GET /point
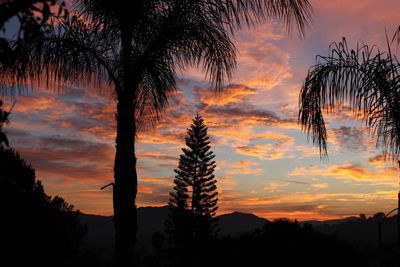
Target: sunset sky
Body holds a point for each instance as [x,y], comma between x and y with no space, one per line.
[265,165]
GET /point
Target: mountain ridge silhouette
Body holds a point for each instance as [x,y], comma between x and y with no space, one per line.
[100,234]
[150,219]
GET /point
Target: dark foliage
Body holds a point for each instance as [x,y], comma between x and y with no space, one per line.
[31,14]
[3,120]
[363,234]
[286,243]
[35,229]
[280,243]
[32,17]
[193,202]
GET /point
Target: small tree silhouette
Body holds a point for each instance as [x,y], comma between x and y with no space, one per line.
[194,201]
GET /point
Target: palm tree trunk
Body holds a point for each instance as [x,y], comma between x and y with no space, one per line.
[125,177]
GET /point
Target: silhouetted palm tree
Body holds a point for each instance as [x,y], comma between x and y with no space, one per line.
[365,79]
[137,46]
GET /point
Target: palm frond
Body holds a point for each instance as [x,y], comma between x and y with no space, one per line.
[75,52]
[177,39]
[155,90]
[367,80]
[232,14]
[204,44]
[236,13]
[396,36]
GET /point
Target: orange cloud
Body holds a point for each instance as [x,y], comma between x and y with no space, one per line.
[245,171]
[349,171]
[262,63]
[274,150]
[155,180]
[234,93]
[242,167]
[157,156]
[320,186]
[225,185]
[272,187]
[378,159]
[154,191]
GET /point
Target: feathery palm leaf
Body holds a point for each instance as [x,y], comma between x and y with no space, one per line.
[365,78]
[74,52]
[396,36]
[228,13]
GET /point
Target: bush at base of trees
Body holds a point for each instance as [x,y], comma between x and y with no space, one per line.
[286,243]
[35,229]
[279,243]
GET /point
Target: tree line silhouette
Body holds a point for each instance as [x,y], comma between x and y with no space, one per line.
[35,229]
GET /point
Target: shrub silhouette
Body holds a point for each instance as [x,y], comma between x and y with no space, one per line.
[35,229]
[279,243]
[284,243]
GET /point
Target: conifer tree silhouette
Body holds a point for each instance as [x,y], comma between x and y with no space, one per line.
[194,201]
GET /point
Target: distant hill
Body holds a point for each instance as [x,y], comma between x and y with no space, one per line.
[150,219]
[100,235]
[329,222]
[358,231]
[236,223]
